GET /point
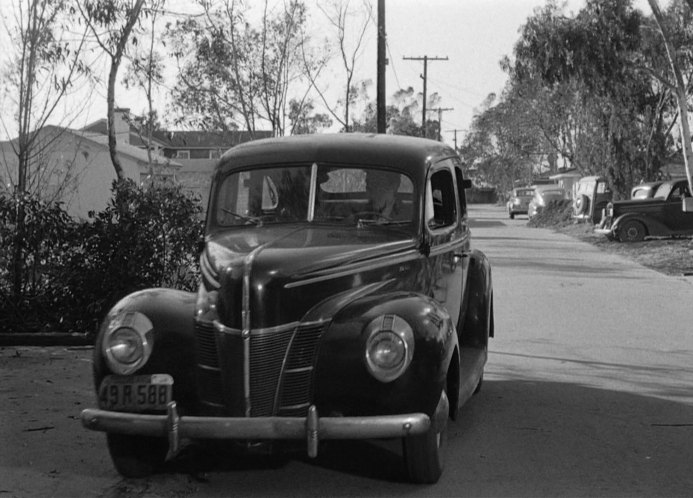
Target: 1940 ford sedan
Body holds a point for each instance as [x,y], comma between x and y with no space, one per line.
[340,299]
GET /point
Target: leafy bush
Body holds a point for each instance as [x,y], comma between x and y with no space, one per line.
[146,237]
[72,273]
[554,214]
[29,291]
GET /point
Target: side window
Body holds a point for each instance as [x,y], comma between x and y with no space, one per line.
[462,201]
[441,209]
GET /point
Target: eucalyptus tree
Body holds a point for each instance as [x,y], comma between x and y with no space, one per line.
[676,37]
[602,56]
[111,23]
[146,72]
[235,69]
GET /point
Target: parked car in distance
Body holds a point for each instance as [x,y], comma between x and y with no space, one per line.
[590,196]
[519,201]
[340,298]
[644,190]
[661,215]
[543,195]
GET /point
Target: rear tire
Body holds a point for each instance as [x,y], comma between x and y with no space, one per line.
[424,454]
[631,231]
[136,456]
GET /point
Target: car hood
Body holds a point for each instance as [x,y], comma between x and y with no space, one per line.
[282,272]
[304,249]
[635,204]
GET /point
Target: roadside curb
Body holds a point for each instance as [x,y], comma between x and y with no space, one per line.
[45,339]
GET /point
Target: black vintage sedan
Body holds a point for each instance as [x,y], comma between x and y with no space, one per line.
[340,298]
[661,215]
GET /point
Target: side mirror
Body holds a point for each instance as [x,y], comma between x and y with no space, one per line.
[466,183]
[687,204]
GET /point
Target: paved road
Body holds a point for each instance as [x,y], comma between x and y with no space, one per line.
[587,393]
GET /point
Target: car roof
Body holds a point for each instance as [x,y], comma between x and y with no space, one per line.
[542,188]
[410,154]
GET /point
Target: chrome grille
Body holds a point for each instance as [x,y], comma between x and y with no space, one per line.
[206,344]
[208,373]
[267,352]
[296,388]
[280,367]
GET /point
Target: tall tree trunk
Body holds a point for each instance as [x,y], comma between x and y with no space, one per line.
[680,88]
[116,58]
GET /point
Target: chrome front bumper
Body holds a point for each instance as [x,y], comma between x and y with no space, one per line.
[311,427]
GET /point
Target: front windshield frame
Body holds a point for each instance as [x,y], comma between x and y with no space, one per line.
[255,195]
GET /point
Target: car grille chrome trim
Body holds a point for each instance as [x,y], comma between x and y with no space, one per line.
[280,366]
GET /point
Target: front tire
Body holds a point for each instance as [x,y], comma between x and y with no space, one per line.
[631,231]
[136,456]
[424,454]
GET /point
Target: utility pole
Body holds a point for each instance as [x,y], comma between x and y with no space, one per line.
[455,139]
[382,62]
[440,118]
[425,60]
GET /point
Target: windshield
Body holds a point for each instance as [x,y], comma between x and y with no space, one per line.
[525,193]
[350,196]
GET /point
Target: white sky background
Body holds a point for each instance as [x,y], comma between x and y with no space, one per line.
[473,34]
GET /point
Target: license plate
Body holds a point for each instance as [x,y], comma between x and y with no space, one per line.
[135,392]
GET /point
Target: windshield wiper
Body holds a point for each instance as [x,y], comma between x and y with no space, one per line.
[248,219]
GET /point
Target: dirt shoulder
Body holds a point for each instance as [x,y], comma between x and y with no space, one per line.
[671,256]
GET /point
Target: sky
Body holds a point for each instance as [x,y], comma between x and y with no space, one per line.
[474,35]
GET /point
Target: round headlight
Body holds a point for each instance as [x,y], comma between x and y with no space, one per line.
[389,347]
[127,343]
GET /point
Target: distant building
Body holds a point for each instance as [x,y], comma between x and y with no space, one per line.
[75,167]
[196,152]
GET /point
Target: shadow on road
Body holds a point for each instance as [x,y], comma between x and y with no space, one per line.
[517,438]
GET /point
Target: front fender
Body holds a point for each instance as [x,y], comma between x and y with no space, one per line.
[171,313]
[652,226]
[345,386]
[478,316]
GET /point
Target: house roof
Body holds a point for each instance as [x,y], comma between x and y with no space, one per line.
[207,139]
[127,149]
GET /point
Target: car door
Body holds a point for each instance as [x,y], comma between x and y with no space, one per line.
[446,223]
[673,215]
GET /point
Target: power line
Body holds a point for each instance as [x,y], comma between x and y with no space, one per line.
[425,60]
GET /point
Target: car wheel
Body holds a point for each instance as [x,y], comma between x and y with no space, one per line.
[424,454]
[631,231]
[135,456]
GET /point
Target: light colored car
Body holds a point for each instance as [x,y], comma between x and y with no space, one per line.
[519,201]
[590,196]
[543,195]
[644,190]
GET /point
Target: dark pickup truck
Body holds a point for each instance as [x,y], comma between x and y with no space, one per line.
[660,216]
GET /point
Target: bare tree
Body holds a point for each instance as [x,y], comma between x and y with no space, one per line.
[117,18]
[350,45]
[44,64]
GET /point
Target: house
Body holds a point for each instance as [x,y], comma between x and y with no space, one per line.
[74,167]
[567,180]
[196,152]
